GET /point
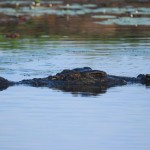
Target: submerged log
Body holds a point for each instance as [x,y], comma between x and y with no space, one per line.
[80,80]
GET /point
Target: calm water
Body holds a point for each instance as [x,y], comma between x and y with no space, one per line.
[49,119]
[39,118]
[42,118]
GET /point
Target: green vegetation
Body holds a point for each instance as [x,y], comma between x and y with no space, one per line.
[37,1]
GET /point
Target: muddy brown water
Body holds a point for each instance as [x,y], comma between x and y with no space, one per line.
[53,39]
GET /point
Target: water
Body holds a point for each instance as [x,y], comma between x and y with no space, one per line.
[42,118]
[35,59]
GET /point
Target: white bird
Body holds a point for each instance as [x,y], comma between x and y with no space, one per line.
[67,5]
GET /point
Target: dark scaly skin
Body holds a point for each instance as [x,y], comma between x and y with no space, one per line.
[79,80]
[4,83]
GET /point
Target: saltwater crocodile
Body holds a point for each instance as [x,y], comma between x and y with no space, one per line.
[79,80]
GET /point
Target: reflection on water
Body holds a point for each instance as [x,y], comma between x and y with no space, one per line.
[42,118]
[128,21]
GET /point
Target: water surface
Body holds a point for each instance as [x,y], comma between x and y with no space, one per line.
[43,118]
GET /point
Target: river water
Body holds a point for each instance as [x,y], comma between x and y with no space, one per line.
[42,118]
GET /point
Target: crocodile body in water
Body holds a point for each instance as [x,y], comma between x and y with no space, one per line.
[79,80]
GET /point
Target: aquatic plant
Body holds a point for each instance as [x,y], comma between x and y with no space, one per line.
[37,1]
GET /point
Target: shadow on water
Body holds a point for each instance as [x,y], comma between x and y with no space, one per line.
[76,91]
[85,91]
